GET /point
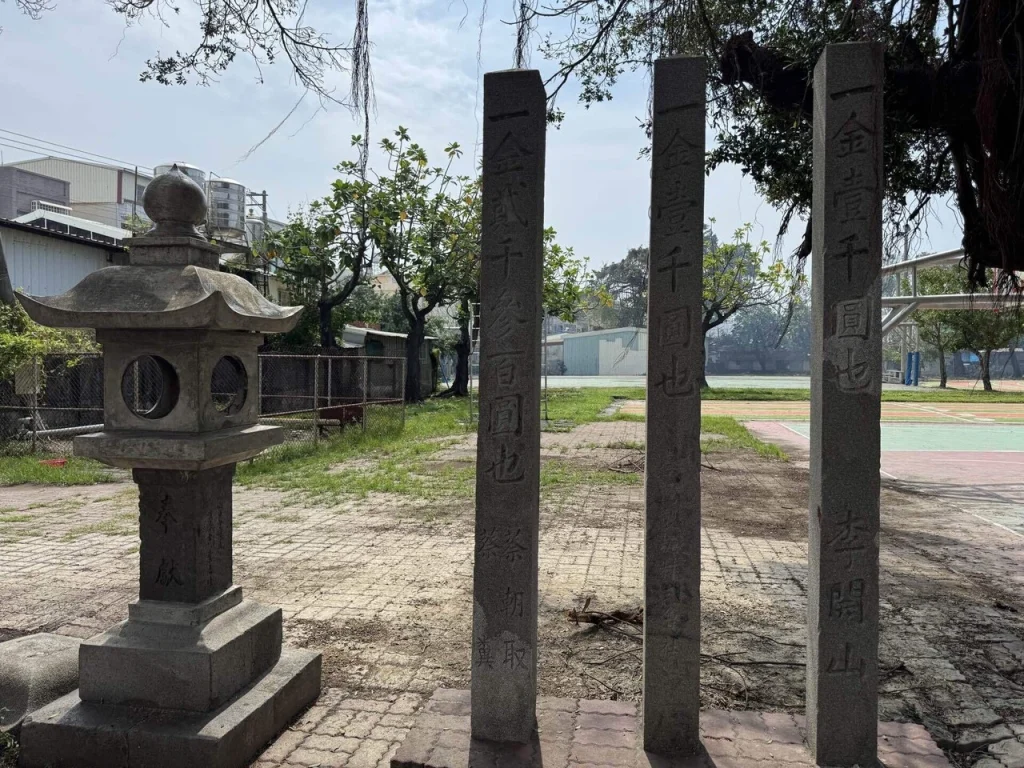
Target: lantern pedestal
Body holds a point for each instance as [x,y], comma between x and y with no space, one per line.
[70,732]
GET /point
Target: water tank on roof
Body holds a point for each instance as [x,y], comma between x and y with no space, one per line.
[227,209]
[194,172]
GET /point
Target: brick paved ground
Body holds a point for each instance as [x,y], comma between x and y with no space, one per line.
[382,585]
[584,733]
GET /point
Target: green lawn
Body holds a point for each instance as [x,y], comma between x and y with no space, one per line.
[15,470]
[402,462]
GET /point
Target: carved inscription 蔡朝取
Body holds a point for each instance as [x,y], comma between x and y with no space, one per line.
[513,605]
[516,655]
[501,543]
[484,653]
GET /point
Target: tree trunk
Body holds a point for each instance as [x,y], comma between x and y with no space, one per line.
[460,386]
[326,332]
[413,342]
[986,378]
[942,368]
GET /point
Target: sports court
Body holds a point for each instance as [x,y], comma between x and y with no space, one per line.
[953,454]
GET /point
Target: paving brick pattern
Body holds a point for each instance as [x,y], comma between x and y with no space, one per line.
[578,733]
[382,586]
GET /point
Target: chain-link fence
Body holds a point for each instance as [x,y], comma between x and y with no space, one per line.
[313,397]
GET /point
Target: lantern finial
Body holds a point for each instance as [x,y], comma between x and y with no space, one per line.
[176,204]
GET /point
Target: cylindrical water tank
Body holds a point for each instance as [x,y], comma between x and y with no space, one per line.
[197,174]
[227,208]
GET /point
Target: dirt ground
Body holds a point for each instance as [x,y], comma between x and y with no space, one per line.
[382,585]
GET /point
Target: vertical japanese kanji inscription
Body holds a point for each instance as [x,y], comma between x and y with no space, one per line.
[672,564]
[504,666]
[846,364]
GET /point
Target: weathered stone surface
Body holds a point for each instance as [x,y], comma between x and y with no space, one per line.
[674,360]
[846,363]
[185,532]
[71,734]
[504,643]
[35,670]
[181,452]
[184,614]
[156,298]
[181,667]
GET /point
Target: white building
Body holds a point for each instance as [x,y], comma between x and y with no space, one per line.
[44,262]
[108,194]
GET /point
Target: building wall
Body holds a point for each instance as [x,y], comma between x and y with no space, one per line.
[19,187]
[89,183]
[582,351]
[43,265]
[111,214]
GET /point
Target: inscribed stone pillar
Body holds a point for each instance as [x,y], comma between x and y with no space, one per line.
[846,365]
[185,533]
[674,360]
[504,659]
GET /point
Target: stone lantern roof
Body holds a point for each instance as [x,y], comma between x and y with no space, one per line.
[172,281]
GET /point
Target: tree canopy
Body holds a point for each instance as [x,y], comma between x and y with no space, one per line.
[953,93]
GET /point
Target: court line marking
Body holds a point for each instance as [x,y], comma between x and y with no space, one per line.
[893,477]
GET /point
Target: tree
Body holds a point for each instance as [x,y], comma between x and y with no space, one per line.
[934,326]
[735,278]
[563,293]
[953,91]
[626,281]
[763,328]
[325,249]
[421,220]
[262,30]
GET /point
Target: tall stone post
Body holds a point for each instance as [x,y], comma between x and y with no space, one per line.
[504,656]
[672,539]
[846,366]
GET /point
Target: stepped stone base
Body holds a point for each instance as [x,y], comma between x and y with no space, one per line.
[71,734]
[607,733]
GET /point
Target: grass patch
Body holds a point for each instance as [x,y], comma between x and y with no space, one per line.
[626,445]
[121,524]
[16,470]
[735,435]
[582,406]
[556,474]
[888,395]
[15,518]
[388,463]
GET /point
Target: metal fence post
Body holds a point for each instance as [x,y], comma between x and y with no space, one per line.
[259,387]
[366,381]
[316,399]
[35,400]
[330,389]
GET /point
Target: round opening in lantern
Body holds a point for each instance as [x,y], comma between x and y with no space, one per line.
[149,387]
[229,385]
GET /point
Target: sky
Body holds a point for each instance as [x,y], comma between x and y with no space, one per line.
[71,77]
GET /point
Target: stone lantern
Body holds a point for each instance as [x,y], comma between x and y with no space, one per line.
[196,676]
